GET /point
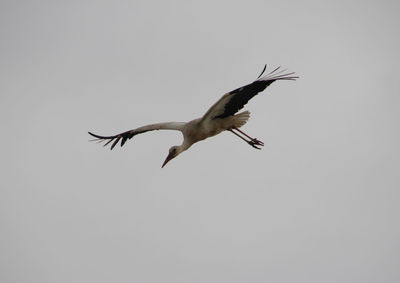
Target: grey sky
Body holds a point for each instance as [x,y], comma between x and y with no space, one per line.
[319,203]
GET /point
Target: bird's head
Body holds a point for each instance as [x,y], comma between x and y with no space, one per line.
[173,152]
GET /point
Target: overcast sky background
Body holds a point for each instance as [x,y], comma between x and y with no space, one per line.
[319,203]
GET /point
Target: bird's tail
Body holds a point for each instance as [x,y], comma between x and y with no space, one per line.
[241,118]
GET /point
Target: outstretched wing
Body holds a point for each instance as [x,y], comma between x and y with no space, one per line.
[233,101]
[123,137]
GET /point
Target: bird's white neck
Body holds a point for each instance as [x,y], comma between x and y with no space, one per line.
[185,145]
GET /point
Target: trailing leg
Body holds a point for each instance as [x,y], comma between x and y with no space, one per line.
[251,141]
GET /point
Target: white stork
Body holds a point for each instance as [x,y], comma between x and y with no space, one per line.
[220,117]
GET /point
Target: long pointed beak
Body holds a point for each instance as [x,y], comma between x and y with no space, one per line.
[169,157]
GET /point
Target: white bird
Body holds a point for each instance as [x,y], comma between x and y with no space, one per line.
[220,117]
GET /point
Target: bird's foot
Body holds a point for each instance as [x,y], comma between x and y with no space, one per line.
[255,143]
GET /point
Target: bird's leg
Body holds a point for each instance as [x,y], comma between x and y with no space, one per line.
[231,130]
[253,142]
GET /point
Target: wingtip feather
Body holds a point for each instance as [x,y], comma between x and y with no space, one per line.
[262,72]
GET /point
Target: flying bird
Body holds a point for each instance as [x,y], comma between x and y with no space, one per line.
[220,117]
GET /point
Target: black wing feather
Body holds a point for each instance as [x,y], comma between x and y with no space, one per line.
[240,96]
[115,139]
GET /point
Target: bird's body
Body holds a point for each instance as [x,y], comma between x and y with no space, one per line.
[220,117]
[200,129]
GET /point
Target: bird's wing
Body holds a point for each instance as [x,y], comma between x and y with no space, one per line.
[130,134]
[233,101]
